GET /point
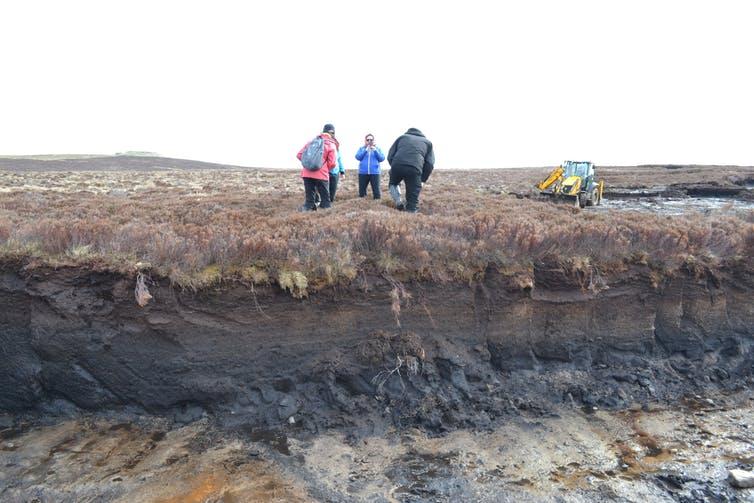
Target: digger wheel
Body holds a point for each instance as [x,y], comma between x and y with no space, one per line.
[582,200]
[592,199]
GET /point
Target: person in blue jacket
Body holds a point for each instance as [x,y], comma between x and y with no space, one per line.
[336,172]
[369,156]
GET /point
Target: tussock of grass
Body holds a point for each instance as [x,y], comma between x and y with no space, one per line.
[203,228]
[295,282]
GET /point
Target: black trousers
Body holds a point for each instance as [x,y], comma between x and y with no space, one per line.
[312,186]
[365,180]
[413,179]
[333,185]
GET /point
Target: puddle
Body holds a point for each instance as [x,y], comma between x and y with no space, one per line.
[676,205]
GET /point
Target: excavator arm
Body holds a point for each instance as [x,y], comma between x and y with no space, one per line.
[556,174]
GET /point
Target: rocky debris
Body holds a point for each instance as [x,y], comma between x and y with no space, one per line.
[287,407]
[742,479]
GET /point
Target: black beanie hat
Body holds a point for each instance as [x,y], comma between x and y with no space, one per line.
[329,128]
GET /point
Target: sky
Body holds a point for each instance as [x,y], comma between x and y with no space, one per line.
[492,84]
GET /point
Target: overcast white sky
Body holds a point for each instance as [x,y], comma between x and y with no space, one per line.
[492,84]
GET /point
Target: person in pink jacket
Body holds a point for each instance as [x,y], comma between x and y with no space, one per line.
[319,181]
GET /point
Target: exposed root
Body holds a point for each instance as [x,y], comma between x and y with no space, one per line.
[429,315]
[141,291]
[395,307]
[411,364]
[256,303]
[382,377]
[397,294]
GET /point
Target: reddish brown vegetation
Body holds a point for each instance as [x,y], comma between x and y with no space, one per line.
[200,228]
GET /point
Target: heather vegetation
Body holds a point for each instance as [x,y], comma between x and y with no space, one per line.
[206,228]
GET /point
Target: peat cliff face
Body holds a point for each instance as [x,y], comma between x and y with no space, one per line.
[463,354]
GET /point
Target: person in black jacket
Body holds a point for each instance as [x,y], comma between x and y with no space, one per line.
[412,160]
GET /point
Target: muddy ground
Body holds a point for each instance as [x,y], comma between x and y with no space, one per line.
[654,453]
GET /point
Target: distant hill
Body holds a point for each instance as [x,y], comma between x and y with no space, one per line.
[105,163]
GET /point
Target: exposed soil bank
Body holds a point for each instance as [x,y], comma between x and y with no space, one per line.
[464,355]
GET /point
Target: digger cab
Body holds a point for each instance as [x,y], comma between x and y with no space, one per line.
[582,169]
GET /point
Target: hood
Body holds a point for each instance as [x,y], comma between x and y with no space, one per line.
[331,138]
[414,131]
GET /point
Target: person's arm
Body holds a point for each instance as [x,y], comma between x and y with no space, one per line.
[301,152]
[429,163]
[360,153]
[391,152]
[341,168]
[378,153]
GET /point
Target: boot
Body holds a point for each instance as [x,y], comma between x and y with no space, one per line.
[395,193]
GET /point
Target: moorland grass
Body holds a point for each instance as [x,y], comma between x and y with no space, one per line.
[202,228]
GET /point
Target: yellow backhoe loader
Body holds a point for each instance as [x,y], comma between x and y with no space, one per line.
[573,181]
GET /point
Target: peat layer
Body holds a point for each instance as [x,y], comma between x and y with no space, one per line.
[438,356]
